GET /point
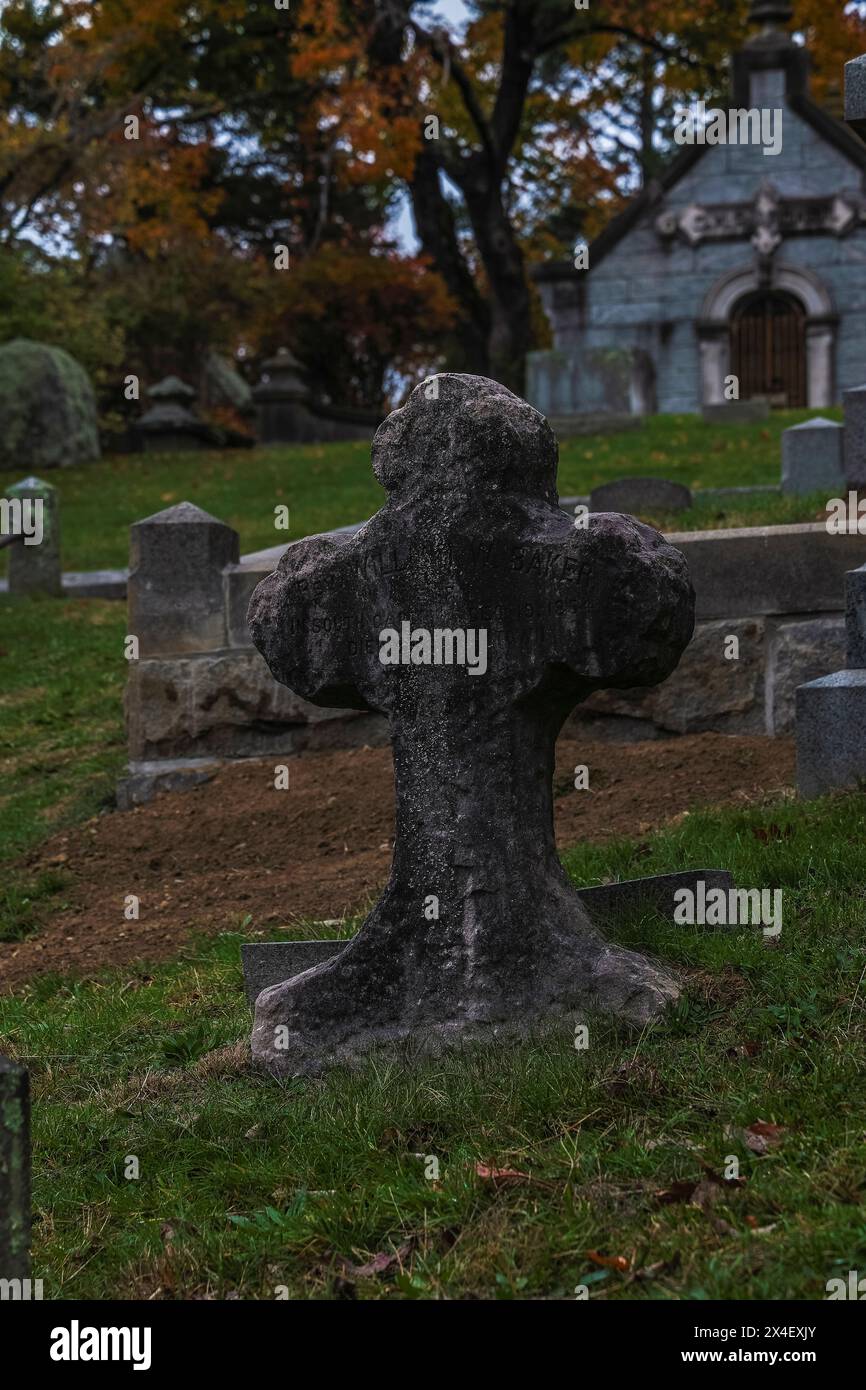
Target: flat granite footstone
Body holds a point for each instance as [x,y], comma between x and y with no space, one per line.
[640,495]
[475,615]
[267,963]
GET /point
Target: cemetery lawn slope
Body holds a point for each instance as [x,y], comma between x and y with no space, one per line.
[517,1171]
[332,485]
[61,720]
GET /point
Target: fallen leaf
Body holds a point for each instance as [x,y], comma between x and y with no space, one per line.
[761,1136]
[501,1174]
[608,1261]
[680,1191]
[700,1192]
[381,1263]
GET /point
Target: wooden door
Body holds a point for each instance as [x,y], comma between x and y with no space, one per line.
[768,348]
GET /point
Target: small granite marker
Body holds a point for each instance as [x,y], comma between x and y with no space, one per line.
[14,1171]
[854,403]
[831,711]
[475,615]
[640,495]
[176,600]
[812,457]
[34,564]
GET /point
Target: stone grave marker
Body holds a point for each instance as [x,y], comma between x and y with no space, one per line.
[831,711]
[474,614]
[813,457]
[14,1171]
[176,599]
[34,563]
[640,495]
[854,403]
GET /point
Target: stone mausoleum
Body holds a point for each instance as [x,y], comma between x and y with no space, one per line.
[737,263]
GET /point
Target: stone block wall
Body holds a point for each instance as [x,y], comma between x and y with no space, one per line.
[200,691]
[752,694]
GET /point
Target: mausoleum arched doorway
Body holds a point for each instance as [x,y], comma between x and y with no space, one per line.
[784,332]
[768,347]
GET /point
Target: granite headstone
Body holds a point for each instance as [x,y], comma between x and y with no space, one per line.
[831,711]
[854,403]
[34,558]
[812,457]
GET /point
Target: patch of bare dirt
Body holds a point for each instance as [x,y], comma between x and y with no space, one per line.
[206,859]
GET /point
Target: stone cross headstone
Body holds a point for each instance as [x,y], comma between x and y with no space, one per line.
[34,557]
[812,457]
[14,1171]
[474,614]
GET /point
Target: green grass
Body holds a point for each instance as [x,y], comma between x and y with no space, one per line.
[62,741]
[332,485]
[248,1186]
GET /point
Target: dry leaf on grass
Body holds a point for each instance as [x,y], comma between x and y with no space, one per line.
[608,1261]
[761,1136]
[700,1192]
[501,1175]
[383,1262]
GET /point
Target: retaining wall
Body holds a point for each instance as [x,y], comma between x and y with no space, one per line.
[201,691]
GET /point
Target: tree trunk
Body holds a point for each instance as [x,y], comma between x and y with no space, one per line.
[510,313]
[434,223]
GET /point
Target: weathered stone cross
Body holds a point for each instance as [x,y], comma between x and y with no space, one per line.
[474,614]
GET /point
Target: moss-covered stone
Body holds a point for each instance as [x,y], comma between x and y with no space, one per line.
[47,408]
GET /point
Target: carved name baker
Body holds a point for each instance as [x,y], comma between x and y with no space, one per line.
[478,929]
